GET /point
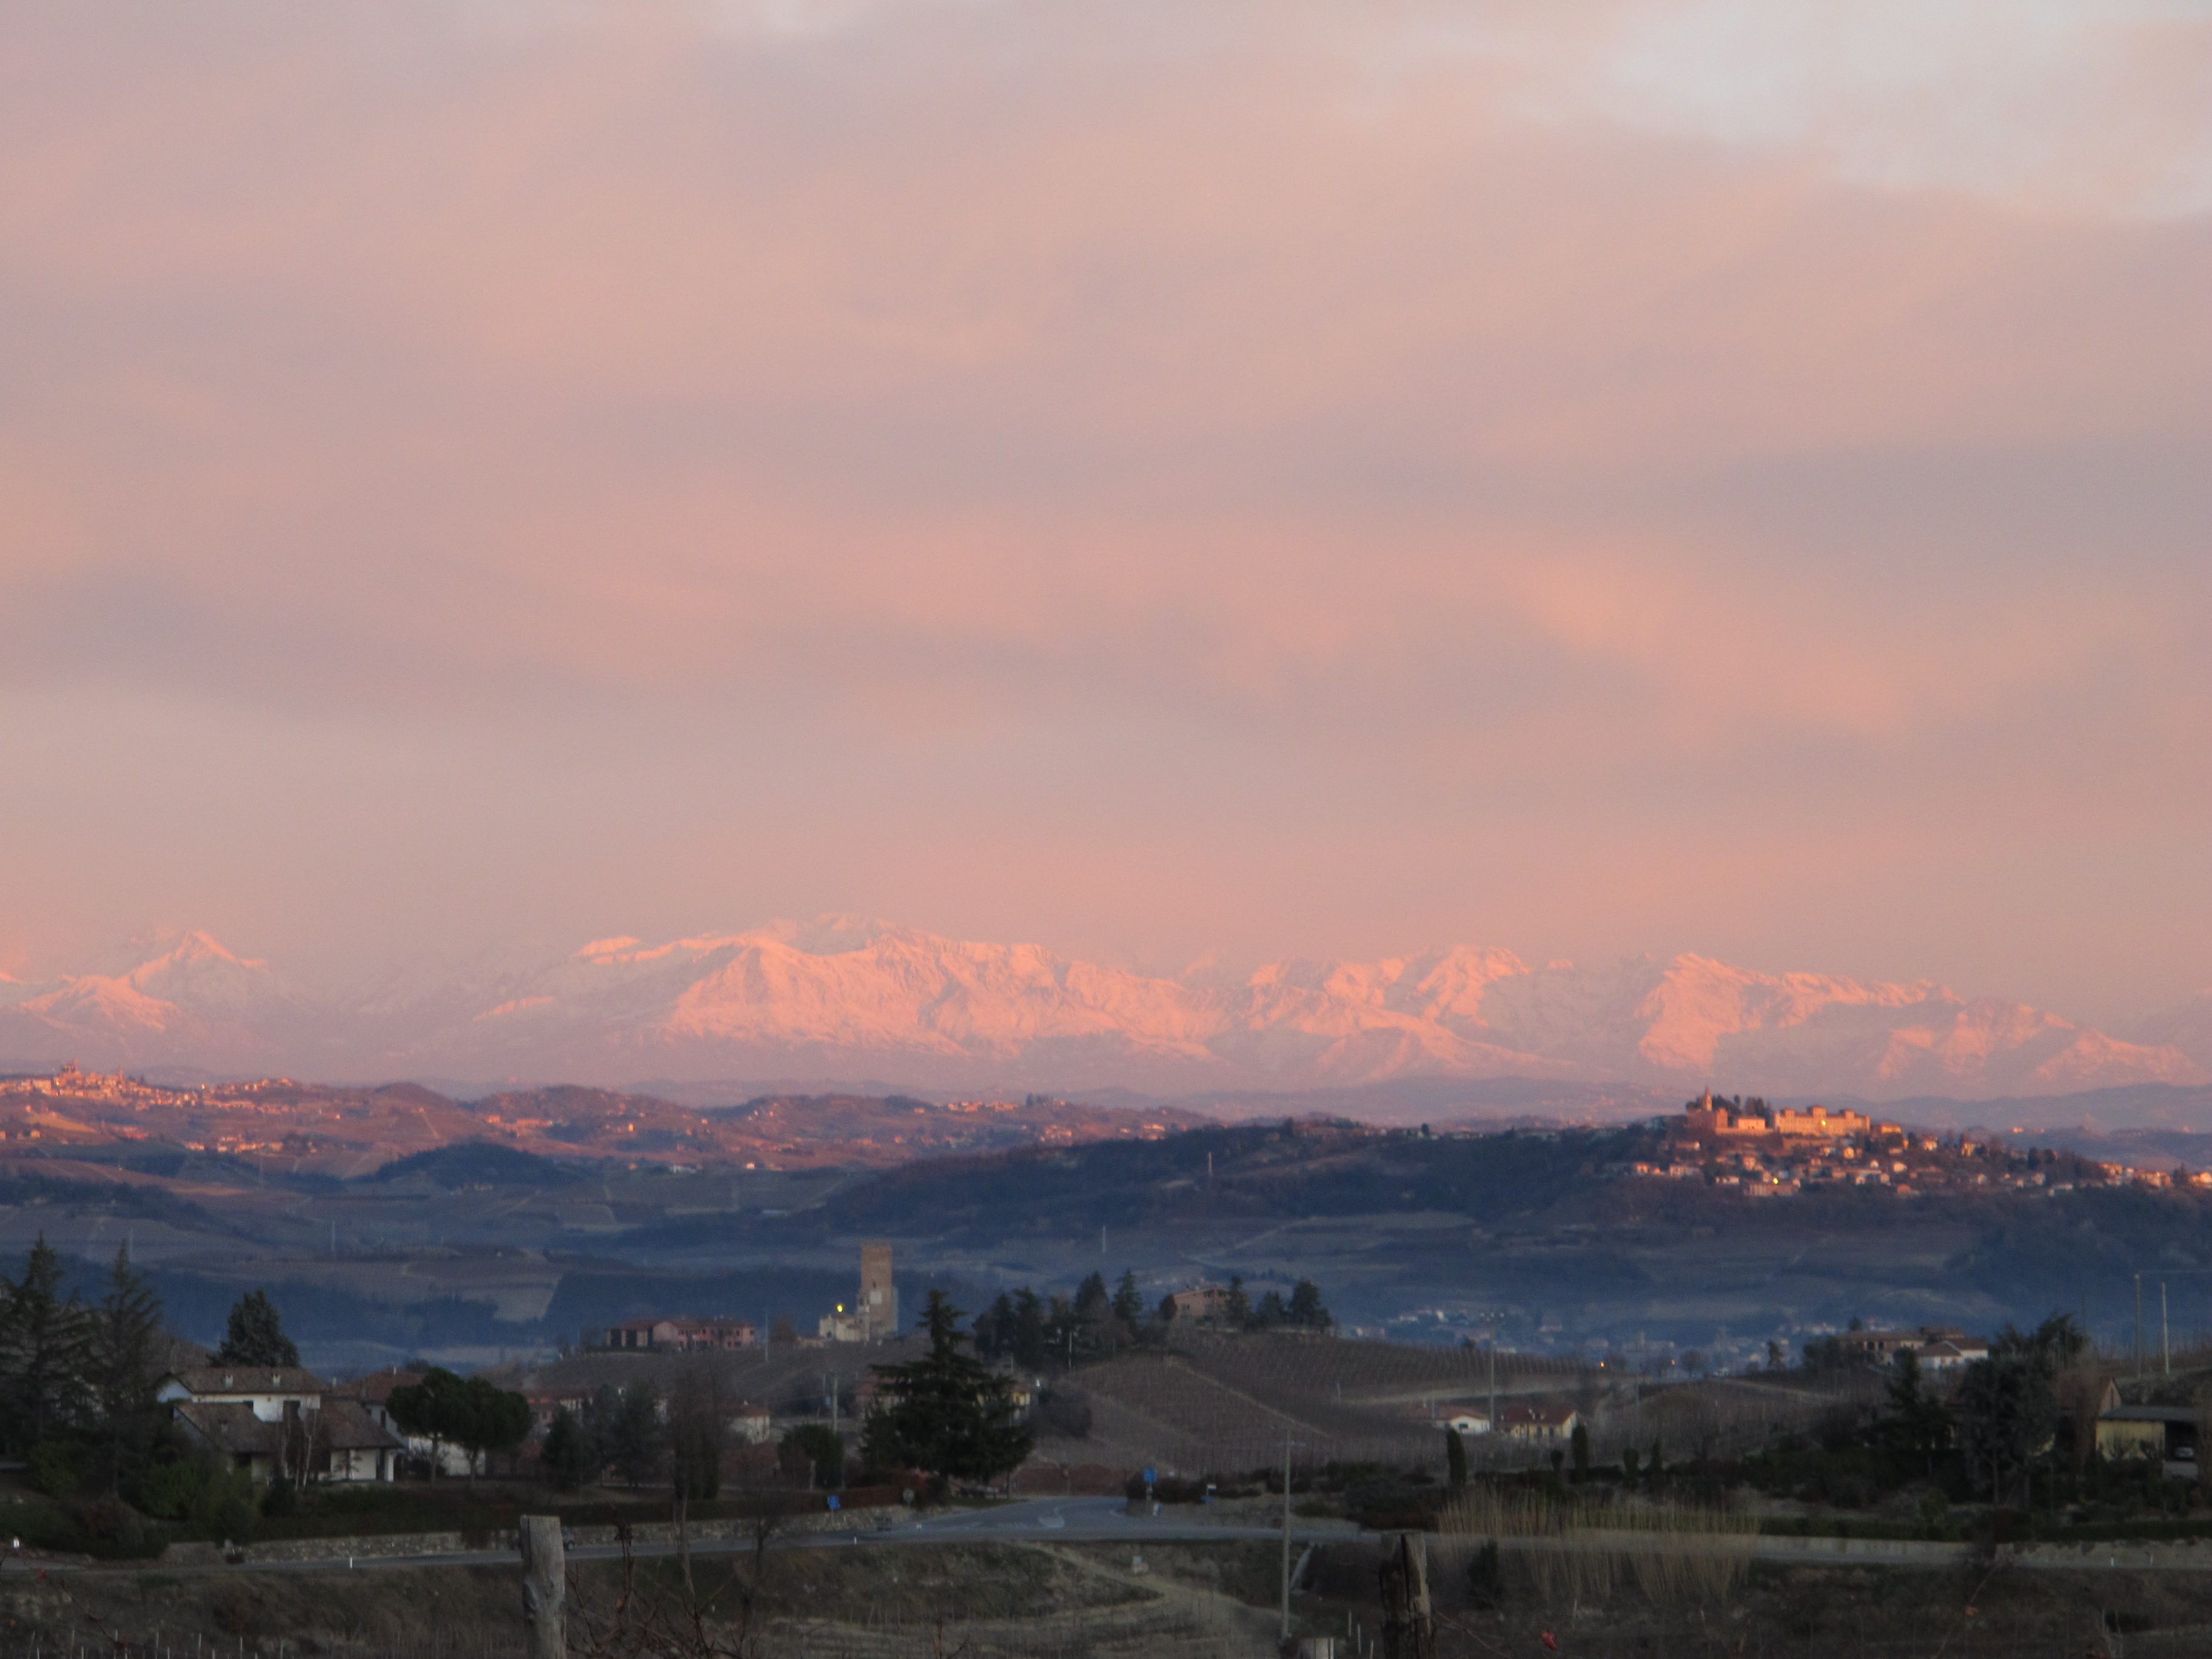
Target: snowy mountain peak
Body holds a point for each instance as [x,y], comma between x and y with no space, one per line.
[845,996]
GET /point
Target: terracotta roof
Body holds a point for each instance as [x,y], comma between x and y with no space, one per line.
[233,1428]
[376,1388]
[347,1427]
[205,1381]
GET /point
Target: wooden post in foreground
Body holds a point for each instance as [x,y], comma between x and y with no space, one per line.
[544,1585]
[1409,1630]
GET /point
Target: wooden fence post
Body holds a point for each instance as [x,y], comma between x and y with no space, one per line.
[544,1585]
[1409,1630]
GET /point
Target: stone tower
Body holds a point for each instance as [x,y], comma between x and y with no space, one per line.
[880,1308]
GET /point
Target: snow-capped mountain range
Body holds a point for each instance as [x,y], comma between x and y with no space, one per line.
[840,998]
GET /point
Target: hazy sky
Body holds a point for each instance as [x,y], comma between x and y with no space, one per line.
[1145,477]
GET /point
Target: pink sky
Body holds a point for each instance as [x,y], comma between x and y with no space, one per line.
[1149,478]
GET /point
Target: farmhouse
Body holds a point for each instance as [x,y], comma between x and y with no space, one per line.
[1201,1301]
[1937,1347]
[1538,1422]
[279,1421]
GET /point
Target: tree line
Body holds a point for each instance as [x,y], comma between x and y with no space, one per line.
[78,1385]
[1034,1332]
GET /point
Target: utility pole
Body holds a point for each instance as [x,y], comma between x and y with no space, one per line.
[2164,1334]
[2138,1324]
[1495,1321]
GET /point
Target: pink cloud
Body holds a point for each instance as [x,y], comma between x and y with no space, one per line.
[1264,443]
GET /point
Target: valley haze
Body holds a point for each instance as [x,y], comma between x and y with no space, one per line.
[840,998]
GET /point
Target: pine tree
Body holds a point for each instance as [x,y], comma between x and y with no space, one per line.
[124,1334]
[994,1328]
[1029,1337]
[639,1436]
[1094,1315]
[944,1413]
[256,1336]
[44,1350]
[570,1457]
[1306,1308]
[471,1412]
[1237,1311]
[1061,1330]
[1128,1300]
[1455,1459]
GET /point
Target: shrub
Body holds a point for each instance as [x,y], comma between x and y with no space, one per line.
[53,1468]
[109,1524]
[167,1489]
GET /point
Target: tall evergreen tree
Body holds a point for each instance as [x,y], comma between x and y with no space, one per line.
[1237,1312]
[1062,1330]
[1097,1328]
[994,1328]
[256,1336]
[1091,1298]
[1915,1428]
[1030,1340]
[124,1333]
[1128,1300]
[569,1459]
[44,1350]
[626,1425]
[1306,1308]
[944,1413]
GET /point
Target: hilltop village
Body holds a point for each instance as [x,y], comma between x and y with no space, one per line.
[1768,1151]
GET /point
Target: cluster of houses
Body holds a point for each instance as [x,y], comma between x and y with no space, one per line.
[1937,1347]
[284,1422]
[1768,1151]
[671,1335]
[2168,1433]
[872,1317]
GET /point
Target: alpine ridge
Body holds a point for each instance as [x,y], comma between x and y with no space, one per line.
[844,997]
